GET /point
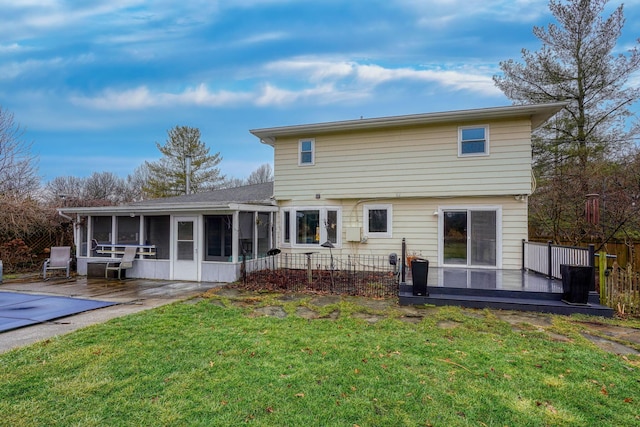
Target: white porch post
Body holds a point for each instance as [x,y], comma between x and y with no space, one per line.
[255,235]
[141,231]
[235,232]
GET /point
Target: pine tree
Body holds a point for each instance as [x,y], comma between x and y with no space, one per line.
[576,64]
[168,176]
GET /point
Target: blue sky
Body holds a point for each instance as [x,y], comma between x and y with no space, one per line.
[96,84]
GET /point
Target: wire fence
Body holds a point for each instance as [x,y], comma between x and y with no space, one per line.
[361,275]
[622,291]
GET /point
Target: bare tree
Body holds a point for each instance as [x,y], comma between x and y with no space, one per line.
[67,188]
[18,172]
[233,183]
[137,182]
[264,173]
[105,186]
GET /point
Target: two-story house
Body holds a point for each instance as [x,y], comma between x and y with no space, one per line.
[453,184]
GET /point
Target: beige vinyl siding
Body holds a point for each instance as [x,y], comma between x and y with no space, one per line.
[413,219]
[406,162]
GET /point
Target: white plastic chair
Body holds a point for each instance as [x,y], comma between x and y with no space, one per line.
[59,259]
[123,263]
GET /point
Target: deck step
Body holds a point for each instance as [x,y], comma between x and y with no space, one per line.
[525,301]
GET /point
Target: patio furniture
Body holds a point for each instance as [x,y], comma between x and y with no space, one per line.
[59,259]
[123,263]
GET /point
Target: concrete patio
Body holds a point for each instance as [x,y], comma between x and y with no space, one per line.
[130,296]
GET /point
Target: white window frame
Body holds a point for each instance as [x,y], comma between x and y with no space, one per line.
[365,220]
[313,152]
[293,232]
[468,208]
[486,141]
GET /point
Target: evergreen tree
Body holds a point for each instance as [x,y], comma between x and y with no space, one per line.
[576,64]
[168,176]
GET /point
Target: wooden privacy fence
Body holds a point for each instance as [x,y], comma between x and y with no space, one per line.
[622,289]
[362,275]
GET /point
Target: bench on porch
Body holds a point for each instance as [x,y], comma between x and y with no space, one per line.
[103,267]
[119,249]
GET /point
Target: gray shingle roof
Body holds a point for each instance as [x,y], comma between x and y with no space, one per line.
[255,193]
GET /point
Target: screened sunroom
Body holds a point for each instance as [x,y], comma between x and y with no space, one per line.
[196,237]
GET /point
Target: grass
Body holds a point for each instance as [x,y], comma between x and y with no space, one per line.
[215,362]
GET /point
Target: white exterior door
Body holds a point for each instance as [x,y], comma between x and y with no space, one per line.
[185,249]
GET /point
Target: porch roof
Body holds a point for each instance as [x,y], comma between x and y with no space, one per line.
[256,197]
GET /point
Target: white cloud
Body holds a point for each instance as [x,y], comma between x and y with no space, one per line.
[12,70]
[263,38]
[15,69]
[368,76]
[10,48]
[442,13]
[142,97]
[317,81]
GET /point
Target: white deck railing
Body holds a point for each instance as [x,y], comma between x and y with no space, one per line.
[546,258]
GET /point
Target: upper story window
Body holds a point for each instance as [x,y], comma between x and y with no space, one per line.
[306,152]
[473,141]
[377,220]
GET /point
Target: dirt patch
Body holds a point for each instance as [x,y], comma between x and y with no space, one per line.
[370,318]
[332,316]
[558,337]
[306,313]
[292,297]
[448,324]
[194,300]
[374,304]
[218,303]
[516,319]
[228,292]
[271,311]
[610,346]
[324,300]
[630,335]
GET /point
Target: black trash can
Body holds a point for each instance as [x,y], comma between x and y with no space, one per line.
[419,273]
[577,281]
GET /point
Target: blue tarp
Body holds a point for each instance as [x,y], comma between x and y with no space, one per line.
[18,310]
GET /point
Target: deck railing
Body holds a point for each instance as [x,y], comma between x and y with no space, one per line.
[546,258]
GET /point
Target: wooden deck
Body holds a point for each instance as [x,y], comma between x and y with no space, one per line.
[498,289]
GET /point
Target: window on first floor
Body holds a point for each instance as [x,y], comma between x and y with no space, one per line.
[156,232]
[286,227]
[101,232]
[263,224]
[311,226]
[218,230]
[377,220]
[245,234]
[128,230]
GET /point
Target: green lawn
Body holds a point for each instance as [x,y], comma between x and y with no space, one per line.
[216,363]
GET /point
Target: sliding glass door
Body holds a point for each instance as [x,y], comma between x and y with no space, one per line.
[469,237]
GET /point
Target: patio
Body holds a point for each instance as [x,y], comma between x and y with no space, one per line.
[499,289]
